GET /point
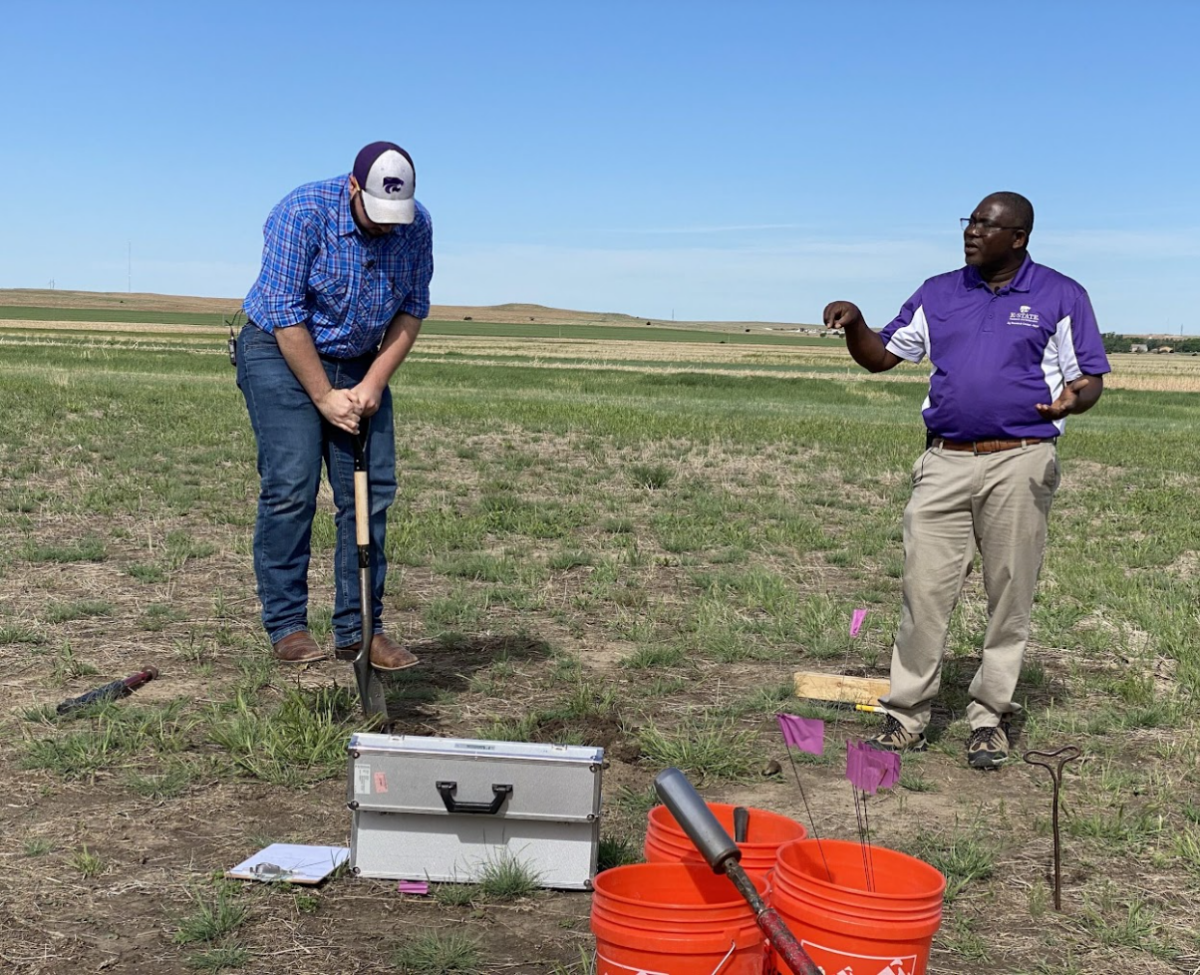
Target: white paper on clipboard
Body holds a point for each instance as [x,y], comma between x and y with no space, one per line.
[288,863]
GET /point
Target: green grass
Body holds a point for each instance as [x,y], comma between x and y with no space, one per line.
[439,953]
[38,846]
[965,856]
[147,573]
[67,666]
[301,741]
[706,751]
[507,877]
[89,863]
[85,550]
[107,736]
[19,633]
[215,913]
[585,965]
[172,782]
[456,895]
[594,554]
[617,852]
[77,610]
[108,315]
[1118,921]
[219,958]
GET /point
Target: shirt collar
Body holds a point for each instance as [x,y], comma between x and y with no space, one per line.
[345,218]
[1023,281]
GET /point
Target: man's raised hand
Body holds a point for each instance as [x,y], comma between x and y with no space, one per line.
[839,314]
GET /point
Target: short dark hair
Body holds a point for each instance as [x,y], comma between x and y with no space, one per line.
[1019,206]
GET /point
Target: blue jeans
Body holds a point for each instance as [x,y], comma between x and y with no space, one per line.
[293,441]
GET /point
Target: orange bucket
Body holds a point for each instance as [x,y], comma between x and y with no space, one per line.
[886,930]
[766,832]
[673,919]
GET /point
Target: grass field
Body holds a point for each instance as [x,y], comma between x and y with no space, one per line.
[605,538]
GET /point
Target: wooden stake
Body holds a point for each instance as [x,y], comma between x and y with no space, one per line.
[835,687]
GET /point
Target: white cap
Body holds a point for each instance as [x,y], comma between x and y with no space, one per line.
[388,180]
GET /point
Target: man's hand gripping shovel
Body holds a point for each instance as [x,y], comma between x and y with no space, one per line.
[370,688]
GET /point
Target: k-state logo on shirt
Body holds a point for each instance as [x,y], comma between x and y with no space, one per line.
[1024,317]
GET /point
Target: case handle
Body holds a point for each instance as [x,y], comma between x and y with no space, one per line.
[499,794]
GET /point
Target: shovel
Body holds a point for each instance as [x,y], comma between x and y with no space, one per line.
[370,688]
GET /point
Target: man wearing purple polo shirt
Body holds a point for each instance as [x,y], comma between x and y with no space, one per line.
[1014,349]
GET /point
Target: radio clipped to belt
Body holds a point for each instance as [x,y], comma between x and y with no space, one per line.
[233,323]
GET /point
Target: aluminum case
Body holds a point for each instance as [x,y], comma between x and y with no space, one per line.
[443,809]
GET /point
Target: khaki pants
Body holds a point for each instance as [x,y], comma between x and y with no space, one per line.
[997,503]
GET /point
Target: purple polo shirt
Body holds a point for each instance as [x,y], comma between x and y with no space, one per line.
[995,356]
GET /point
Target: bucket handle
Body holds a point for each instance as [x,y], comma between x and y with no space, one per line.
[728,955]
[715,971]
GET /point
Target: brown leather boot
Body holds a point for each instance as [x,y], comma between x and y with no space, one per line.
[298,648]
[386,653]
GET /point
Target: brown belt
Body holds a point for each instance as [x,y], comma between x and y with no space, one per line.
[988,446]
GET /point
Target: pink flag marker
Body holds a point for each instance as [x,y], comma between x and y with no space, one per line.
[856,770]
[807,734]
[418,887]
[869,769]
[887,764]
[856,621]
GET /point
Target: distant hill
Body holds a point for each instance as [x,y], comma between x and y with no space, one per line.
[510,313]
[45,298]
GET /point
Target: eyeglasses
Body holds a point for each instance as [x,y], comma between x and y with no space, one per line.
[985,227]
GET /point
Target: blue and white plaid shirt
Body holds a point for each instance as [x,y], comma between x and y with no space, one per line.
[319,270]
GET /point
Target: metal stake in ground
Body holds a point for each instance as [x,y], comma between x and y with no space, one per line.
[722,854]
[1068,753]
[370,689]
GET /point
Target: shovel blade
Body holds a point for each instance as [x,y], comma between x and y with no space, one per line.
[370,692]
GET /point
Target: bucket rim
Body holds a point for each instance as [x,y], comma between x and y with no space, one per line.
[661,819]
[749,854]
[786,874]
[689,870]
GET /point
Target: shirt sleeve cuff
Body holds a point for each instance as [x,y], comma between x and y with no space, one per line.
[418,309]
[906,354]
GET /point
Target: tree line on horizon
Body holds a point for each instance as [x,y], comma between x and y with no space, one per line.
[1119,342]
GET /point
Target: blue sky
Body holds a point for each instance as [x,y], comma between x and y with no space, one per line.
[737,161]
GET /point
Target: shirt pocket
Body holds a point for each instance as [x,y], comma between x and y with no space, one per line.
[329,293]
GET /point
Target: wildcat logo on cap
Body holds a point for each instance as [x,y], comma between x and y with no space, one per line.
[393,184]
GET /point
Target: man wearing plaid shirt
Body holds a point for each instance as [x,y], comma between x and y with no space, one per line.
[339,301]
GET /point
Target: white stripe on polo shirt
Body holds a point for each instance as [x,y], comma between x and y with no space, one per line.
[911,341]
[1060,362]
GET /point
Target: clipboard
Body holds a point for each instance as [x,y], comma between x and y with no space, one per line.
[291,864]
